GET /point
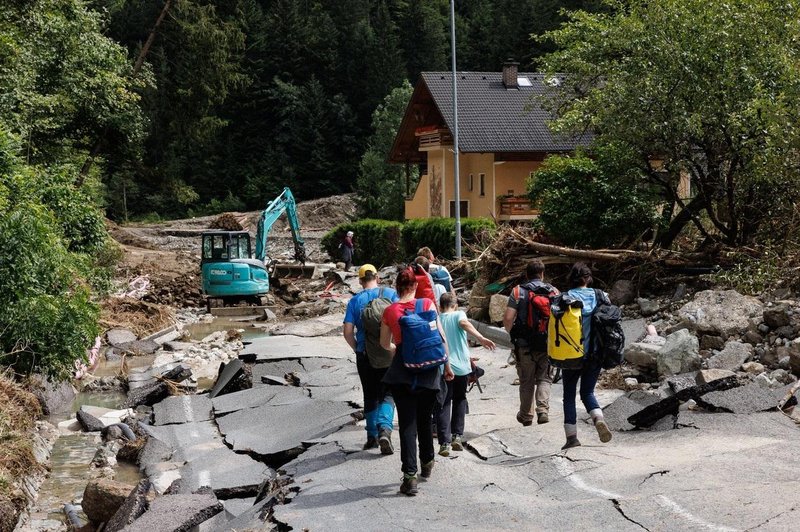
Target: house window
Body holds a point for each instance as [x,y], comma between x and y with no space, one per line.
[482,179]
[471,184]
[464,208]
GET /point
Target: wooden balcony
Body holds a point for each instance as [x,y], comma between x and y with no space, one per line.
[430,138]
[516,208]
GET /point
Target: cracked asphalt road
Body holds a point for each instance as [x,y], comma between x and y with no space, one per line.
[722,472]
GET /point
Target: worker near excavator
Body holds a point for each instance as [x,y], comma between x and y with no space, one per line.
[361,330]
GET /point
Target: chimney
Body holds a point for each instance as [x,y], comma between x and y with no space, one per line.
[510,74]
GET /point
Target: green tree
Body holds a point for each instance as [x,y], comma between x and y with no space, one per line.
[381,186]
[48,320]
[685,87]
[589,202]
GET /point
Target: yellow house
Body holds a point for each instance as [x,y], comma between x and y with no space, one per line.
[503,137]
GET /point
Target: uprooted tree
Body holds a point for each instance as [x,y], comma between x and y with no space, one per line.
[708,90]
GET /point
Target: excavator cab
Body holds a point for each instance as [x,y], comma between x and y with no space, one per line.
[230,274]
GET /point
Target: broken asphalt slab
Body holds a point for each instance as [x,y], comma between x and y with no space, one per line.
[274,429]
[617,413]
[227,473]
[327,325]
[281,347]
[747,399]
[182,409]
[187,440]
[255,397]
[173,513]
[669,406]
[231,371]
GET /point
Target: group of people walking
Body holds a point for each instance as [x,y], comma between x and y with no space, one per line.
[433,393]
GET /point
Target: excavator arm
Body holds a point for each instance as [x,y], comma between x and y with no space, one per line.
[283,203]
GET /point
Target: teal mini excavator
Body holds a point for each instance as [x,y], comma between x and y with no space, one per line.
[230,272]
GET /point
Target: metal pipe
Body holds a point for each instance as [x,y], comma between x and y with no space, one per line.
[457,196]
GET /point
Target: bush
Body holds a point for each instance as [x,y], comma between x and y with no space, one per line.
[48,320]
[439,234]
[583,204]
[377,241]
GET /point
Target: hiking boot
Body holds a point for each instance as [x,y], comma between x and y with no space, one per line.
[521,420]
[457,444]
[572,441]
[542,418]
[603,431]
[444,450]
[409,486]
[385,441]
[372,442]
[427,469]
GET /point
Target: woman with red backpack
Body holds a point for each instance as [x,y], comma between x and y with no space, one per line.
[414,389]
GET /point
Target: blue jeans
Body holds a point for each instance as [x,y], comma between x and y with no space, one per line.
[588,376]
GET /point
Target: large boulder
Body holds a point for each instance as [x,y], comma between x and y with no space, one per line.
[102,498]
[722,312]
[644,354]
[623,292]
[680,354]
[731,357]
[497,308]
[135,504]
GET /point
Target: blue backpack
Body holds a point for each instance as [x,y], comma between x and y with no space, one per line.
[440,276]
[422,345]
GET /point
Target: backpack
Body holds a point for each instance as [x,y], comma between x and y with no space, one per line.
[608,339]
[440,276]
[533,315]
[371,316]
[565,333]
[422,347]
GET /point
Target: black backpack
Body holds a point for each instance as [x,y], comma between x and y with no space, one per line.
[608,339]
[533,315]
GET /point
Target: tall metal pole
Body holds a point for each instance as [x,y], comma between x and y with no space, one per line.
[455,129]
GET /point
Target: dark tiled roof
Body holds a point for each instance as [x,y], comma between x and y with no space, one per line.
[492,118]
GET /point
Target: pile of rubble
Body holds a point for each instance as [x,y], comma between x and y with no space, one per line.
[721,351]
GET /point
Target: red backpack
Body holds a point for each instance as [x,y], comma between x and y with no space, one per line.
[424,285]
[533,315]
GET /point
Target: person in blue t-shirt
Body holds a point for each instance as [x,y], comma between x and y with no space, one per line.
[580,280]
[451,414]
[378,403]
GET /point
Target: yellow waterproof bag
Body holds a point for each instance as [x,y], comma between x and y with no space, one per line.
[564,333]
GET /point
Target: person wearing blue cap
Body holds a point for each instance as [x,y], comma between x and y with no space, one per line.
[361,330]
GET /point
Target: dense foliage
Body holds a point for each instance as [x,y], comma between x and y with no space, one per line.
[381,186]
[48,320]
[63,86]
[382,242]
[582,202]
[709,90]
[249,96]
[439,234]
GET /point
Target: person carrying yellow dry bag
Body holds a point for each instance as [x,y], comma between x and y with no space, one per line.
[564,333]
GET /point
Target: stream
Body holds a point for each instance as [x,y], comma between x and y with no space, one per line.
[70,460]
[73,452]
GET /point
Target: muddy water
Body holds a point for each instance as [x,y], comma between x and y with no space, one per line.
[198,331]
[70,459]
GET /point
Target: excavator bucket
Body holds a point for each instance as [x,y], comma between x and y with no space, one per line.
[294,271]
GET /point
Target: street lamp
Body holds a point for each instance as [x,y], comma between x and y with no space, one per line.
[455,129]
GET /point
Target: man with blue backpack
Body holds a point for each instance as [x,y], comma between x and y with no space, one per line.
[361,330]
[526,319]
